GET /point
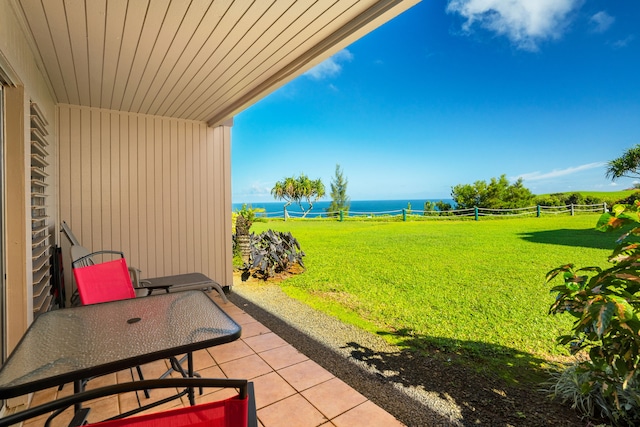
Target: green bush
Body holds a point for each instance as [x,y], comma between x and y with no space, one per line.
[606,307]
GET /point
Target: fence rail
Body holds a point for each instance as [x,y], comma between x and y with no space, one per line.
[476,213]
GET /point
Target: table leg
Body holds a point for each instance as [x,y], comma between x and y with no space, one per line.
[192,397]
[78,387]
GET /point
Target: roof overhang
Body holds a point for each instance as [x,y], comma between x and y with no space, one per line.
[202,60]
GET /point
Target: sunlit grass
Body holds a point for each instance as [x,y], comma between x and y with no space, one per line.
[474,288]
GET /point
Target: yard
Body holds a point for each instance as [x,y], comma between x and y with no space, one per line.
[470,289]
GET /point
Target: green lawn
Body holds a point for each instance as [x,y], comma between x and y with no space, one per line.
[467,288]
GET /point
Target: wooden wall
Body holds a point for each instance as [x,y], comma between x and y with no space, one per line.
[157,188]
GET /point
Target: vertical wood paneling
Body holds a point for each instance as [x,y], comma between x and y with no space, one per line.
[182,191]
[158,178]
[96,178]
[64,153]
[105,178]
[153,187]
[174,191]
[198,133]
[116,181]
[133,213]
[150,217]
[189,208]
[166,197]
[125,211]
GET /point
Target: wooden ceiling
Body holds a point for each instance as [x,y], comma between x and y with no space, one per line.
[202,60]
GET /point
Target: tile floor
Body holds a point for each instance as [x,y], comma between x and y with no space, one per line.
[290,389]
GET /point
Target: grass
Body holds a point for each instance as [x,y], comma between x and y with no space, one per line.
[465,288]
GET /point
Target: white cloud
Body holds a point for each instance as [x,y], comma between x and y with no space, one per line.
[525,22]
[619,44]
[330,67]
[602,21]
[538,176]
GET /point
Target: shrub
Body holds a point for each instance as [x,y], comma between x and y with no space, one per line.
[273,252]
[606,305]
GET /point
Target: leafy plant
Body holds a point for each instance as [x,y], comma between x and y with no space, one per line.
[606,305]
[273,252]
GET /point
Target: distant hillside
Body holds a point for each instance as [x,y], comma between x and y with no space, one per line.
[607,196]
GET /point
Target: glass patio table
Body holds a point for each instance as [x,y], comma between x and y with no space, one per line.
[72,344]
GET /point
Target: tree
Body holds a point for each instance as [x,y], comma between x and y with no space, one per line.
[497,194]
[627,165]
[339,198]
[296,190]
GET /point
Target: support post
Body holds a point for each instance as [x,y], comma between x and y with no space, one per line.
[341,215]
[538,211]
[404,214]
[475,212]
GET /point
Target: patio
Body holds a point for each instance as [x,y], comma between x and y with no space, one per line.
[290,388]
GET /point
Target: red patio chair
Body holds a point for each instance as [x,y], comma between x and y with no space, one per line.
[236,411]
[102,282]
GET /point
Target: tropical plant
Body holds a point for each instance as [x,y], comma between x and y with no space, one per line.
[296,190]
[339,198]
[606,305]
[243,220]
[273,252]
[627,165]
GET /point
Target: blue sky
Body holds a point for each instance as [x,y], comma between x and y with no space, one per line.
[455,91]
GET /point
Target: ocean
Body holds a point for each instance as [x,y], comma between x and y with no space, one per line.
[357,207]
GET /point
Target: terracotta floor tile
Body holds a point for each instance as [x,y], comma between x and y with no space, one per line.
[254,328]
[292,411]
[248,367]
[305,374]
[103,408]
[333,397]
[202,359]
[100,381]
[366,415]
[242,318]
[230,351]
[61,420]
[271,388]
[44,396]
[282,357]
[291,390]
[264,342]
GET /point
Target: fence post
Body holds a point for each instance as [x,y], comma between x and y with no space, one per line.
[475,212]
[538,211]
[604,207]
[404,214]
[572,212]
[284,216]
[341,215]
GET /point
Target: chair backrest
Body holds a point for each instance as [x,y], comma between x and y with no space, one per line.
[104,281]
[67,231]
